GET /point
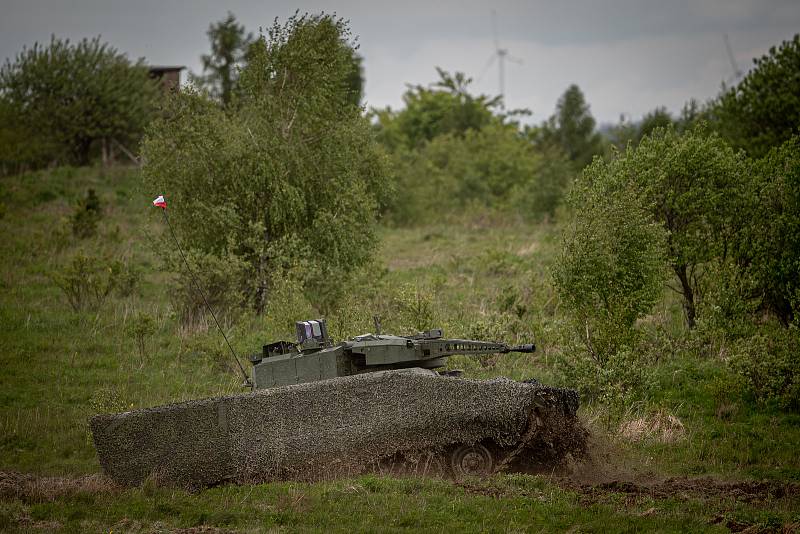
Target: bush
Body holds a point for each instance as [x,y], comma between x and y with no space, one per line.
[412,310]
[769,364]
[218,279]
[610,270]
[87,281]
[86,216]
[768,248]
[71,95]
[285,180]
[141,328]
[622,376]
[539,197]
[491,167]
[609,273]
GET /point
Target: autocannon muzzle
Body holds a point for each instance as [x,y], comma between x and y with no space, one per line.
[528,347]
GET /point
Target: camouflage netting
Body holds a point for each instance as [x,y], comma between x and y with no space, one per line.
[337,426]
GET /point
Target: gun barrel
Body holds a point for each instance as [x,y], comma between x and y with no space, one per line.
[528,347]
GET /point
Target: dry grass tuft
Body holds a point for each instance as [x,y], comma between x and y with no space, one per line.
[659,427]
[32,489]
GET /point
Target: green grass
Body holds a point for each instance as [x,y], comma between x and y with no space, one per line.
[501,504]
[59,366]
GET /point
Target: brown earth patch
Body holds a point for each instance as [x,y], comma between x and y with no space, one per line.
[684,488]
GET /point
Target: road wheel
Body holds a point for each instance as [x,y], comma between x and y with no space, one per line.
[471,460]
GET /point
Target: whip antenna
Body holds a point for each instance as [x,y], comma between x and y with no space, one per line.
[160,202]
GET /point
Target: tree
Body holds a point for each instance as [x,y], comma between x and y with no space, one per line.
[692,184]
[355,80]
[658,118]
[76,94]
[763,110]
[445,107]
[229,49]
[287,180]
[769,244]
[571,129]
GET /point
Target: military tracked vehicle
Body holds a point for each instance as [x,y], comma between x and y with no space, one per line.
[319,409]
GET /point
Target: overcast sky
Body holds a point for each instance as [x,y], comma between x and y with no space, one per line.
[627,56]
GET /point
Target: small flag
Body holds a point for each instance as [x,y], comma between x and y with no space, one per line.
[160,202]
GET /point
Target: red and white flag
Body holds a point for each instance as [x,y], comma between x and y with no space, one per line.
[160,202]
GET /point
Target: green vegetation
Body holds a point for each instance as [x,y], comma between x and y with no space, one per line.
[286,181]
[478,277]
[229,49]
[763,110]
[69,97]
[666,290]
[571,129]
[609,273]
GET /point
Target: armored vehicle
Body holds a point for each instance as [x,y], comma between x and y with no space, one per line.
[319,409]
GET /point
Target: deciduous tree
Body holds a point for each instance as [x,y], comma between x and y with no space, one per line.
[288,179]
[76,94]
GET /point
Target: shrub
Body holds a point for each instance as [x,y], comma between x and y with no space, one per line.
[88,280]
[769,364]
[609,273]
[86,216]
[491,167]
[693,186]
[412,309]
[621,377]
[610,270]
[141,328]
[217,278]
[768,247]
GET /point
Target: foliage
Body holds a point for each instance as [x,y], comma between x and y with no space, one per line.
[447,107]
[615,383]
[725,304]
[763,110]
[229,49]
[413,309]
[218,279]
[488,167]
[768,245]
[769,364]
[692,184]
[355,80]
[21,146]
[539,197]
[86,215]
[76,94]
[87,281]
[287,180]
[141,328]
[571,129]
[609,273]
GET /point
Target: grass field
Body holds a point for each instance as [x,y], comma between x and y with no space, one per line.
[691,455]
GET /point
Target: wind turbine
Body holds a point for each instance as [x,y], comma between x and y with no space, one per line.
[737,73]
[501,55]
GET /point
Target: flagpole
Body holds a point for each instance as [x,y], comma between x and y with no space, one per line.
[205,300]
